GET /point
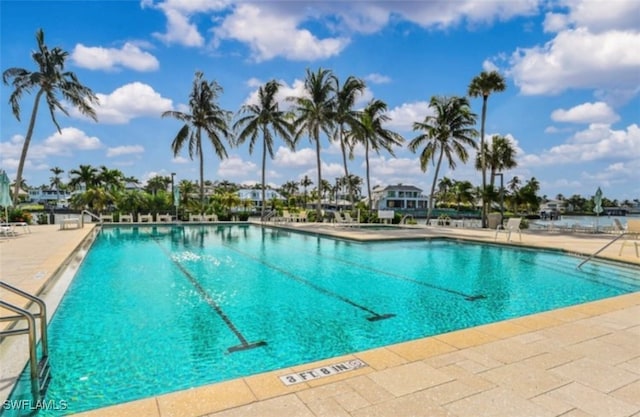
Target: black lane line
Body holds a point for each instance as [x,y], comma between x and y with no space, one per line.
[374,315]
[244,344]
[467,297]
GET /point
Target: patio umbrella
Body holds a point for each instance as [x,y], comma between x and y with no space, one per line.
[5,196]
[597,200]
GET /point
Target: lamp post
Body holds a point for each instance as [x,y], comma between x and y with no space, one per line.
[173,194]
[501,175]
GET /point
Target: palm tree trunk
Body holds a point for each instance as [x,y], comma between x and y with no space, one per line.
[264,163]
[201,173]
[25,147]
[366,158]
[346,169]
[485,204]
[319,202]
[433,185]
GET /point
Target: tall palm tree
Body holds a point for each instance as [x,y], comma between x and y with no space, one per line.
[110,179]
[50,80]
[305,182]
[498,156]
[85,175]
[372,134]
[462,192]
[483,85]
[206,116]
[267,120]
[314,113]
[55,180]
[446,134]
[346,116]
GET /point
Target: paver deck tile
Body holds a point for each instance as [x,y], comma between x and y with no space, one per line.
[595,374]
[409,378]
[288,405]
[592,401]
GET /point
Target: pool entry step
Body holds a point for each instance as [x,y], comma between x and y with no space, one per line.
[40,370]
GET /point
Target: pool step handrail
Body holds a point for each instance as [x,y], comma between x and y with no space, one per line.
[269,215]
[93,215]
[594,254]
[40,370]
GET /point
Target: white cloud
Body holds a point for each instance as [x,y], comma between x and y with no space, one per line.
[285,157]
[597,142]
[124,150]
[129,102]
[598,112]
[269,34]
[376,78]
[577,59]
[180,160]
[129,56]
[403,117]
[601,16]
[66,141]
[236,167]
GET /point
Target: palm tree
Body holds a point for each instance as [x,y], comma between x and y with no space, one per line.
[205,115]
[267,119]
[111,179]
[445,134]
[56,182]
[315,114]
[462,192]
[305,182]
[371,133]
[483,85]
[346,116]
[498,156]
[51,81]
[85,174]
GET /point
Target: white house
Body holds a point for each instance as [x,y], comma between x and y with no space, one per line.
[404,198]
[255,196]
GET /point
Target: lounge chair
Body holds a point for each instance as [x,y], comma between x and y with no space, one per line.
[210,218]
[195,218]
[513,225]
[145,218]
[126,218]
[632,236]
[341,218]
[302,216]
[348,218]
[106,218]
[7,230]
[164,218]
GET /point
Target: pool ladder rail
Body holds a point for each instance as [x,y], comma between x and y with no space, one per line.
[40,370]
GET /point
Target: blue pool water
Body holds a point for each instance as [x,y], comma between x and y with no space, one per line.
[158,309]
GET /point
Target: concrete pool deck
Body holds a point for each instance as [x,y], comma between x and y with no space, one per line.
[576,361]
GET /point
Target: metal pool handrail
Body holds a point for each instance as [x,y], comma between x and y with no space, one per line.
[39,371]
[593,255]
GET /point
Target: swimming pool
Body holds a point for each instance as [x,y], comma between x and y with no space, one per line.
[176,307]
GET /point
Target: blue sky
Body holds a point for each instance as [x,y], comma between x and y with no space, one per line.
[572,67]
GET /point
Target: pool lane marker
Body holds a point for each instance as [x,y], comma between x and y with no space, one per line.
[467,297]
[374,315]
[244,344]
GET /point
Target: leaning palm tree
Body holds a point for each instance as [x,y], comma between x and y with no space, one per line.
[346,117]
[314,113]
[371,133]
[482,86]
[51,81]
[446,134]
[267,120]
[206,116]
